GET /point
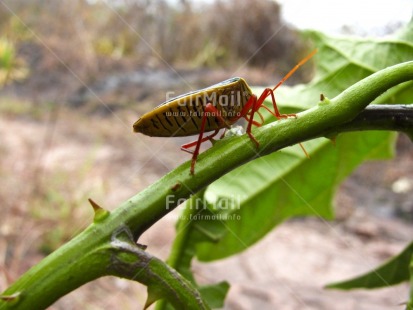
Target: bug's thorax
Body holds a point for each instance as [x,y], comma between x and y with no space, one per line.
[231,98]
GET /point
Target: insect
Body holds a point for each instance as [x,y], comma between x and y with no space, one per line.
[210,109]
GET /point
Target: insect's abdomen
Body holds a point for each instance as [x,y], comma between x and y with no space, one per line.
[182,116]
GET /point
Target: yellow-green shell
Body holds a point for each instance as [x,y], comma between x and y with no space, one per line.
[182,115]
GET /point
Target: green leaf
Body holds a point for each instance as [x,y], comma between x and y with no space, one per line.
[342,61]
[215,294]
[410,302]
[108,246]
[251,200]
[392,272]
[191,229]
[286,184]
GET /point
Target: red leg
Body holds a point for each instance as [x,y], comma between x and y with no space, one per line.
[303,61]
[277,113]
[255,103]
[185,147]
[305,152]
[269,92]
[253,106]
[248,115]
[209,108]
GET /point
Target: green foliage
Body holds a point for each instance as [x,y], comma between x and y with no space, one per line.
[263,193]
[249,201]
[11,67]
[285,184]
[108,246]
[392,272]
[410,302]
[342,61]
[188,231]
[158,32]
[295,186]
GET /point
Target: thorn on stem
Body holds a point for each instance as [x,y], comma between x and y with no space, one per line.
[143,247]
[323,100]
[95,206]
[100,213]
[176,187]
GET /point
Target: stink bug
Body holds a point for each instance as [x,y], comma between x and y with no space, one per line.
[210,109]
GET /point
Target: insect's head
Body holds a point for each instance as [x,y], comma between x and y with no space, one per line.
[139,126]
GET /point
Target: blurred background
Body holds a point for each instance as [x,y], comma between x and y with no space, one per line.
[75,75]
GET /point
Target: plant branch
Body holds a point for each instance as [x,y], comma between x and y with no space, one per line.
[90,254]
[382,117]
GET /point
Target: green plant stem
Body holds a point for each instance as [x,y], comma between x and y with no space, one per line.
[92,253]
[182,228]
[181,239]
[410,302]
[382,117]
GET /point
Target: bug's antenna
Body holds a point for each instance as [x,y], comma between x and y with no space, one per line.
[302,61]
